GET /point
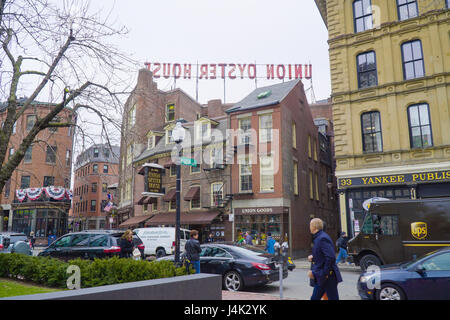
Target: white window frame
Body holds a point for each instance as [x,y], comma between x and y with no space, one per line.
[213,192]
[267,172]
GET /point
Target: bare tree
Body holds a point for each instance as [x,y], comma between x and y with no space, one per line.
[63,53]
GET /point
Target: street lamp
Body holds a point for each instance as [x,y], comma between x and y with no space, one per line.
[178,134]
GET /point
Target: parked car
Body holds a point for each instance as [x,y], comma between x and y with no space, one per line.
[14,242]
[240,266]
[161,241]
[422,279]
[89,244]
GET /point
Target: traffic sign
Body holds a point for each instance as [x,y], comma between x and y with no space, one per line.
[188,161]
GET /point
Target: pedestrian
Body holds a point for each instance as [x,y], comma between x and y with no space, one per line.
[192,250]
[324,273]
[270,245]
[32,239]
[248,238]
[210,238]
[126,244]
[341,244]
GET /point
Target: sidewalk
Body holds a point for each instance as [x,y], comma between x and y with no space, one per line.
[305,264]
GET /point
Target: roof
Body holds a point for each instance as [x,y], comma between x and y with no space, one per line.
[88,155]
[277,93]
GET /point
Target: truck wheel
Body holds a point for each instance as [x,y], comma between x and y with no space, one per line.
[369,260]
[160,253]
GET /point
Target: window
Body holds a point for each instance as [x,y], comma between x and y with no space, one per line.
[311,185]
[367,70]
[387,225]
[49,181]
[106,153]
[11,152]
[245,174]
[266,173]
[94,187]
[25,182]
[265,128]
[413,64]
[95,168]
[447,4]
[294,135]
[95,152]
[169,138]
[407,9]
[170,112]
[63,242]
[203,131]
[216,156]
[195,203]
[317,186]
[155,206]
[371,131]
[68,157]
[51,154]
[31,120]
[438,263]
[173,205]
[14,128]
[245,126]
[216,194]
[173,170]
[132,117]
[99,240]
[151,142]
[54,120]
[362,13]
[104,187]
[420,126]
[7,188]
[105,168]
[295,178]
[93,205]
[80,240]
[309,147]
[315,149]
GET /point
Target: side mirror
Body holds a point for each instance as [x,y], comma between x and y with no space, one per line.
[420,270]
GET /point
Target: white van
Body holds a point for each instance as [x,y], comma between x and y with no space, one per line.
[161,241]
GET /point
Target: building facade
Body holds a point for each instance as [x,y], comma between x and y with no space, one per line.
[281,167]
[95,169]
[37,197]
[390,72]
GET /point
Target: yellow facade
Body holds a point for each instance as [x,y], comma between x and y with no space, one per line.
[392,95]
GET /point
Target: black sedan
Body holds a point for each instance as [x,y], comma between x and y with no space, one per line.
[422,279]
[240,266]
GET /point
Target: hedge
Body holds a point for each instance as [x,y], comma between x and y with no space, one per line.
[52,272]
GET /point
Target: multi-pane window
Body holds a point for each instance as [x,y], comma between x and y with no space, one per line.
[173,170]
[265,128]
[49,181]
[362,11]
[216,194]
[407,9]
[245,174]
[50,156]
[245,131]
[367,69]
[68,157]
[93,205]
[266,173]
[295,178]
[371,132]
[294,135]
[311,185]
[104,187]
[105,168]
[170,112]
[94,187]
[95,168]
[413,65]
[25,182]
[420,126]
[132,116]
[96,152]
[31,120]
[447,4]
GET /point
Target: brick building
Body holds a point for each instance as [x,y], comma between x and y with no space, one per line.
[37,196]
[95,170]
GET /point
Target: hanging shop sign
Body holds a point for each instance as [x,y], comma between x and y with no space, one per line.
[152,179]
[230,71]
[408,178]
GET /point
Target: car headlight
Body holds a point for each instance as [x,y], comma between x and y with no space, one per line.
[367,278]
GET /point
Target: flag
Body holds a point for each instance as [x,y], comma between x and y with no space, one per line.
[108,207]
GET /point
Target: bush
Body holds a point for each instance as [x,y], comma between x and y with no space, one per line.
[53,272]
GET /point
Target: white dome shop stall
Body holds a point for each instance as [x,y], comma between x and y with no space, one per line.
[44,211]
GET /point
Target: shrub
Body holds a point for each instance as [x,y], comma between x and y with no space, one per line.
[53,272]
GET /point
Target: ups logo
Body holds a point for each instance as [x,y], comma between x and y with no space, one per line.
[419,230]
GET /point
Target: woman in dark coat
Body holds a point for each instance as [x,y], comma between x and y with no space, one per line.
[126,244]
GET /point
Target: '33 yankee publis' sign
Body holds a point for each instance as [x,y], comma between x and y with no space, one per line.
[395,179]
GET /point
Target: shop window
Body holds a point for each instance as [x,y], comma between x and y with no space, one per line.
[362,13]
[371,132]
[407,9]
[367,69]
[420,126]
[413,62]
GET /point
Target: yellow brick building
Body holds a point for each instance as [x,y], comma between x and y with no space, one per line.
[390,72]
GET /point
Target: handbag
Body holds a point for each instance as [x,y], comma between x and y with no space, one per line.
[136,253]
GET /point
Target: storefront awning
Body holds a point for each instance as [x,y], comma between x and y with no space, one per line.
[150,200]
[185,218]
[142,201]
[169,164]
[193,193]
[134,221]
[170,196]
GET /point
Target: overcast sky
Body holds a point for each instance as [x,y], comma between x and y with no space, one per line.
[225,31]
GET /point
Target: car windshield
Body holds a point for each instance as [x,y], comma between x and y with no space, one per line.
[409,263]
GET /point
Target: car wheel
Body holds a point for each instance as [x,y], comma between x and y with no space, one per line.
[390,291]
[232,281]
[160,253]
[369,260]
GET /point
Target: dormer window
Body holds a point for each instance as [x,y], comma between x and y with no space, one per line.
[151,142]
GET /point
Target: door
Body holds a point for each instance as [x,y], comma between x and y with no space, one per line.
[214,260]
[387,236]
[433,280]
[80,246]
[60,249]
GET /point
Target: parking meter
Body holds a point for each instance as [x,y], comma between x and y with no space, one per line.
[277,248]
[284,252]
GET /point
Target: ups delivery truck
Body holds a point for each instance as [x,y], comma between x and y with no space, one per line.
[401,230]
